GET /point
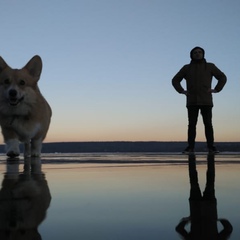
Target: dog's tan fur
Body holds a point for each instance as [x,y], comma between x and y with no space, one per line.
[24,113]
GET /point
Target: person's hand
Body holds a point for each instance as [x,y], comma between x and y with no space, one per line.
[212,91]
[185,92]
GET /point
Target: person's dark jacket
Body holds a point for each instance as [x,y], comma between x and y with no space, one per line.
[198,76]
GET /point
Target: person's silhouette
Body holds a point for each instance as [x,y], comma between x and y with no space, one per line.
[203,217]
[199,94]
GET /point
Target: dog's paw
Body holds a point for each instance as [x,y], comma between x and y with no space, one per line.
[12,148]
[36,154]
[27,155]
[12,154]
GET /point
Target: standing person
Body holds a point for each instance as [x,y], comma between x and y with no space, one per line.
[198,75]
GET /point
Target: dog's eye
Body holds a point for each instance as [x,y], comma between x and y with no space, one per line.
[21,82]
[6,81]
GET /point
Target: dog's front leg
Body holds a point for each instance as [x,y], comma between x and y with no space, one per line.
[27,149]
[36,147]
[12,147]
[12,142]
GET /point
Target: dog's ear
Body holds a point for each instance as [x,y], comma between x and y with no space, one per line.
[2,64]
[34,67]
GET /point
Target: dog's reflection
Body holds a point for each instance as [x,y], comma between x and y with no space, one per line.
[203,217]
[24,200]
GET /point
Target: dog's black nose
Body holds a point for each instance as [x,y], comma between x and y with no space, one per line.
[12,93]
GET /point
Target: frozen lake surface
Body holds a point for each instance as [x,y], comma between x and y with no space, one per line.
[111,196]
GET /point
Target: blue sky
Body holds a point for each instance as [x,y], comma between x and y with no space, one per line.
[108,64]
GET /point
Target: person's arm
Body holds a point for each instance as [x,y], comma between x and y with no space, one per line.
[221,77]
[227,228]
[176,81]
[180,228]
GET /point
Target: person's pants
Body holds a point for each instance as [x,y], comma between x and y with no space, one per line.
[206,112]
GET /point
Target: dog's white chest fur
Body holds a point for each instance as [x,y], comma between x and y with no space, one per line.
[24,130]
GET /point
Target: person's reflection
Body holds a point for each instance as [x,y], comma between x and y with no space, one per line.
[203,217]
[24,200]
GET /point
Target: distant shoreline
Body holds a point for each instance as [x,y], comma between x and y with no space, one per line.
[129,146]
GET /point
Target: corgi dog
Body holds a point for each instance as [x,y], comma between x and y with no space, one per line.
[24,113]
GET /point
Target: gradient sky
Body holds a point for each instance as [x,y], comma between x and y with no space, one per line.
[108,64]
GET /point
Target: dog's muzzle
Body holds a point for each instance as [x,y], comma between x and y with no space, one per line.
[13,97]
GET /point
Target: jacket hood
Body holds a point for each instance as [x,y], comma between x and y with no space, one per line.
[191,52]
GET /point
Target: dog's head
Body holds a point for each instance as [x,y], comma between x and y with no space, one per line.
[17,84]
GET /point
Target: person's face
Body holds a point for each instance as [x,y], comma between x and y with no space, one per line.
[197,54]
